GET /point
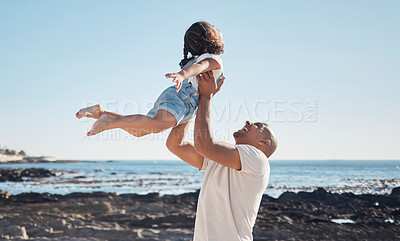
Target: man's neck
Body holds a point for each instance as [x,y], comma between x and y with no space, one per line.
[266,154]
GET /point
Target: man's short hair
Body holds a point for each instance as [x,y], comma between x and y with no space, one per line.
[270,135]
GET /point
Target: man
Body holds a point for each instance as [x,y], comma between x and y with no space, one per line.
[235,175]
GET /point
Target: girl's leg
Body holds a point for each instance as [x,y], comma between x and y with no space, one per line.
[96,112]
[163,120]
[132,131]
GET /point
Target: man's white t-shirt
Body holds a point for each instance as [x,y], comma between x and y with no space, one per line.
[216,72]
[229,199]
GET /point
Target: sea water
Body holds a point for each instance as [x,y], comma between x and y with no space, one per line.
[176,177]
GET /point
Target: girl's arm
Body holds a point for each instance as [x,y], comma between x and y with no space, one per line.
[193,70]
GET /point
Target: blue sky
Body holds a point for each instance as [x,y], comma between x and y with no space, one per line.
[324,74]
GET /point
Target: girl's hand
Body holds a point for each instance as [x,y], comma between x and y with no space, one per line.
[177,79]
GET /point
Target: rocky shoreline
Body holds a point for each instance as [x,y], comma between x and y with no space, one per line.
[317,215]
[36,160]
[20,175]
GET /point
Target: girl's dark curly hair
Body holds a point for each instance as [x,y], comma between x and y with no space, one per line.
[198,41]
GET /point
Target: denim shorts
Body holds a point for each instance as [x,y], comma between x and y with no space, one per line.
[182,105]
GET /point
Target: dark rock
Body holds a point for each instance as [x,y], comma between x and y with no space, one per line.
[40,232]
[319,194]
[170,221]
[37,172]
[78,177]
[16,175]
[89,232]
[396,214]
[395,191]
[185,198]
[108,216]
[12,175]
[32,197]
[322,197]
[118,218]
[4,195]
[288,198]
[296,214]
[14,232]
[76,195]
[151,197]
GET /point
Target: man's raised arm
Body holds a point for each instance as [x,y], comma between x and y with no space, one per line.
[223,153]
[183,149]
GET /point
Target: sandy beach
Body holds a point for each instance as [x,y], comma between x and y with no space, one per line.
[317,215]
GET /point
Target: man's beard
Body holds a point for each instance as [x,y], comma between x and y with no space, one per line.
[238,134]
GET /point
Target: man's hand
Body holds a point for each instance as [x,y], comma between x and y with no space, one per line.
[207,84]
[177,79]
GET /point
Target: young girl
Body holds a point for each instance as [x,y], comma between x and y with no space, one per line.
[177,104]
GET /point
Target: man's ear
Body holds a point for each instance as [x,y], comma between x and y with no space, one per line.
[265,142]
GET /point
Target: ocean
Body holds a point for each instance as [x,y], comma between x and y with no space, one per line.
[176,177]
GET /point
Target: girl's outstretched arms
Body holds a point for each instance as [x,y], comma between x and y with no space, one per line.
[195,69]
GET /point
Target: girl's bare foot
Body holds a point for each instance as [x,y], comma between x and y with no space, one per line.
[102,124]
[91,112]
